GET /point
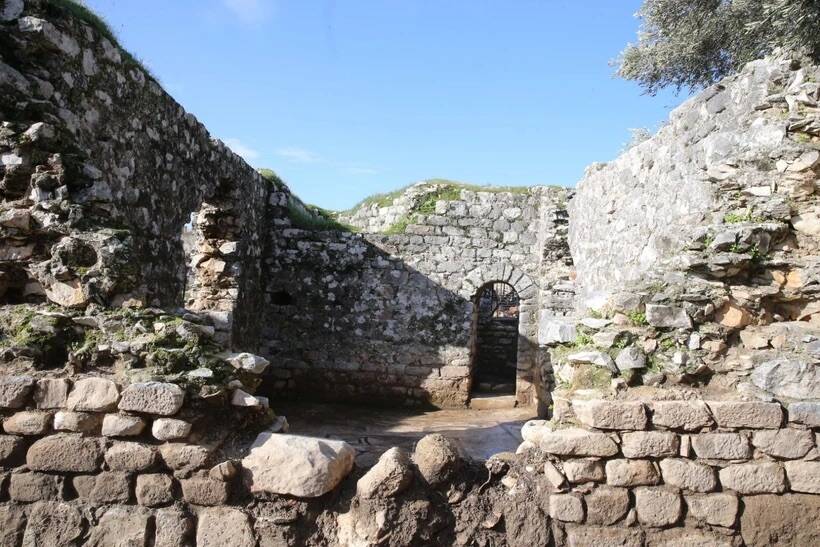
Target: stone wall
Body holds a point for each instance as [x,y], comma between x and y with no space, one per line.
[394,312]
[101,169]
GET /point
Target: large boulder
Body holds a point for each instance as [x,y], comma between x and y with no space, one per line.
[304,467]
[437,458]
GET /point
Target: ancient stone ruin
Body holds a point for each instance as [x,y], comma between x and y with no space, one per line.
[160,297]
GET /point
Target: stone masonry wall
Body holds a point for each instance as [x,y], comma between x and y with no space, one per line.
[394,312]
[101,170]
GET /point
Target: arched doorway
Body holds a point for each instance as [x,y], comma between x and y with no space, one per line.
[495,340]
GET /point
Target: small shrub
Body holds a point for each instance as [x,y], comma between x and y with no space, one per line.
[638,318]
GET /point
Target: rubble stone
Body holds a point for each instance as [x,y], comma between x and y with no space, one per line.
[754,478]
[65,452]
[803,476]
[154,490]
[220,526]
[158,398]
[583,470]
[578,442]
[746,414]
[658,506]
[649,444]
[685,415]
[566,508]
[784,443]
[130,457]
[603,414]
[631,473]
[390,476]
[14,391]
[719,509]
[606,505]
[93,395]
[688,475]
[721,446]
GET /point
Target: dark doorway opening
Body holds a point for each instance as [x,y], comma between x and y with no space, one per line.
[495,342]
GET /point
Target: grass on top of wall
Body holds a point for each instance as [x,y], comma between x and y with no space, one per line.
[313,217]
[78,10]
[451,191]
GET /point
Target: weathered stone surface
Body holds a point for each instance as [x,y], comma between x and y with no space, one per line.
[687,537]
[437,458]
[173,527]
[120,527]
[390,476]
[789,520]
[555,331]
[154,490]
[593,536]
[597,358]
[578,442]
[221,526]
[77,422]
[721,446]
[31,487]
[107,487]
[93,395]
[65,452]
[784,443]
[169,429]
[754,478]
[667,317]
[584,470]
[130,457]
[719,509]
[225,471]
[14,391]
[51,393]
[688,475]
[685,415]
[299,466]
[566,508]
[658,506]
[554,476]
[803,476]
[630,358]
[604,414]
[120,425]
[33,422]
[606,505]
[754,415]
[184,458]
[649,444]
[248,362]
[631,473]
[805,413]
[54,524]
[12,525]
[788,378]
[205,491]
[11,449]
[158,398]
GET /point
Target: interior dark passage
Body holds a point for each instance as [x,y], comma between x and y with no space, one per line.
[495,353]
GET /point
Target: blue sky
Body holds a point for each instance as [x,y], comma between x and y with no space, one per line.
[346,98]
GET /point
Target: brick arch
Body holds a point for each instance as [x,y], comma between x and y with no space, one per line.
[526,391]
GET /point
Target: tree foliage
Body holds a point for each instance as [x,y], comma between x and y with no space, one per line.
[691,44]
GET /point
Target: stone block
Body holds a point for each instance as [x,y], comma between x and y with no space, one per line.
[121,425]
[754,478]
[566,508]
[721,446]
[390,476]
[719,509]
[752,415]
[221,526]
[688,537]
[32,422]
[120,526]
[670,317]
[12,450]
[12,525]
[93,395]
[631,473]
[77,422]
[51,393]
[154,490]
[32,487]
[310,467]
[658,506]
[595,536]
[184,458]
[15,390]
[205,491]
[169,429]
[684,415]
[803,476]
[784,443]
[649,444]
[130,457]
[578,442]
[554,476]
[603,414]
[55,524]
[173,527]
[107,487]
[688,475]
[805,413]
[225,471]
[158,398]
[578,471]
[788,520]
[65,452]
[606,505]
